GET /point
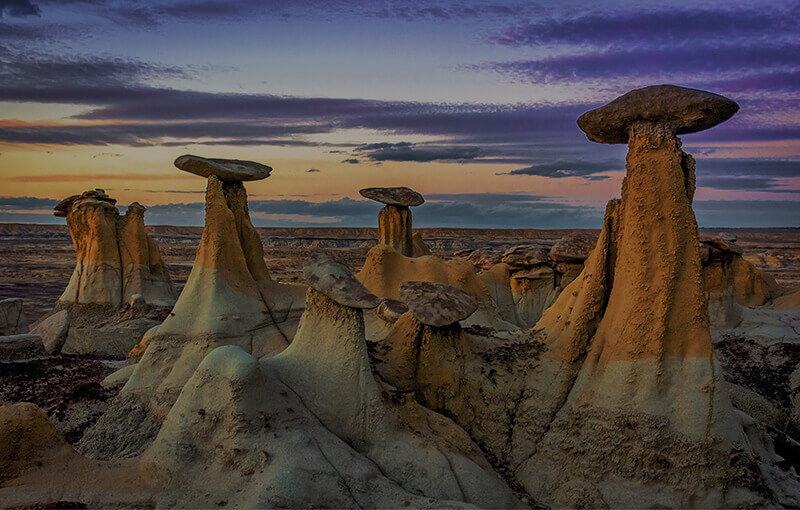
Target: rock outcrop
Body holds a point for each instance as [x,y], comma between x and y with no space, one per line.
[117,264]
[229,299]
[394,220]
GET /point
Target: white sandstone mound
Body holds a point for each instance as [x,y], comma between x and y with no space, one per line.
[229,299]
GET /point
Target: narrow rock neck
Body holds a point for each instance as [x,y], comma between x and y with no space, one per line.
[394,229]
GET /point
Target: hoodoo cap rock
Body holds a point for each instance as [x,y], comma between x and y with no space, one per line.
[686,110]
[393,196]
[437,304]
[335,280]
[225,169]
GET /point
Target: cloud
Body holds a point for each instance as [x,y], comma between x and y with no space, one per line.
[747,167]
[569,168]
[122,176]
[405,151]
[631,26]
[650,64]
[18,8]
[26,203]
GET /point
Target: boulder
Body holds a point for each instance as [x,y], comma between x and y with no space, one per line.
[12,317]
[400,196]
[684,110]
[53,330]
[332,278]
[571,249]
[437,304]
[224,169]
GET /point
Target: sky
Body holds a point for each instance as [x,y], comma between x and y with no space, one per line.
[472,103]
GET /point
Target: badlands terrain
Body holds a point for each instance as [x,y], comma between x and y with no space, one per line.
[646,364]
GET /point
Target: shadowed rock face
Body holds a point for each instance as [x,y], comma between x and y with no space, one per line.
[393,196]
[437,304]
[684,110]
[335,280]
[224,169]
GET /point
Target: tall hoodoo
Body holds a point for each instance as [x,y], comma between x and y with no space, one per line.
[394,220]
[634,325]
[229,299]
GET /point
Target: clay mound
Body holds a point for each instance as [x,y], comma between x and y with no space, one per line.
[229,299]
[385,270]
[29,440]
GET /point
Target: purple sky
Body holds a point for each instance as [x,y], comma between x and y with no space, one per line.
[472,103]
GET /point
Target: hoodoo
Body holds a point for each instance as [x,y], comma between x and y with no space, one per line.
[117,264]
[633,331]
[229,299]
[394,220]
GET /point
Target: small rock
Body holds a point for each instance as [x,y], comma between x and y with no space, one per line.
[484,258]
[53,331]
[118,378]
[391,309]
[723,244]
[138,302]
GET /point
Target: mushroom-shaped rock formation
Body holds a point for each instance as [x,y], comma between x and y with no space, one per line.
[634,328]
[626,344]
[116,260]
[329,368]
[394,220]
[234,170]
[678,109]
[229,299]
[424,351]
[437,304]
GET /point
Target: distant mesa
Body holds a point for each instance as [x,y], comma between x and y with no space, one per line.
[437,304]
[224,169]
[393,196]
[685,110]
